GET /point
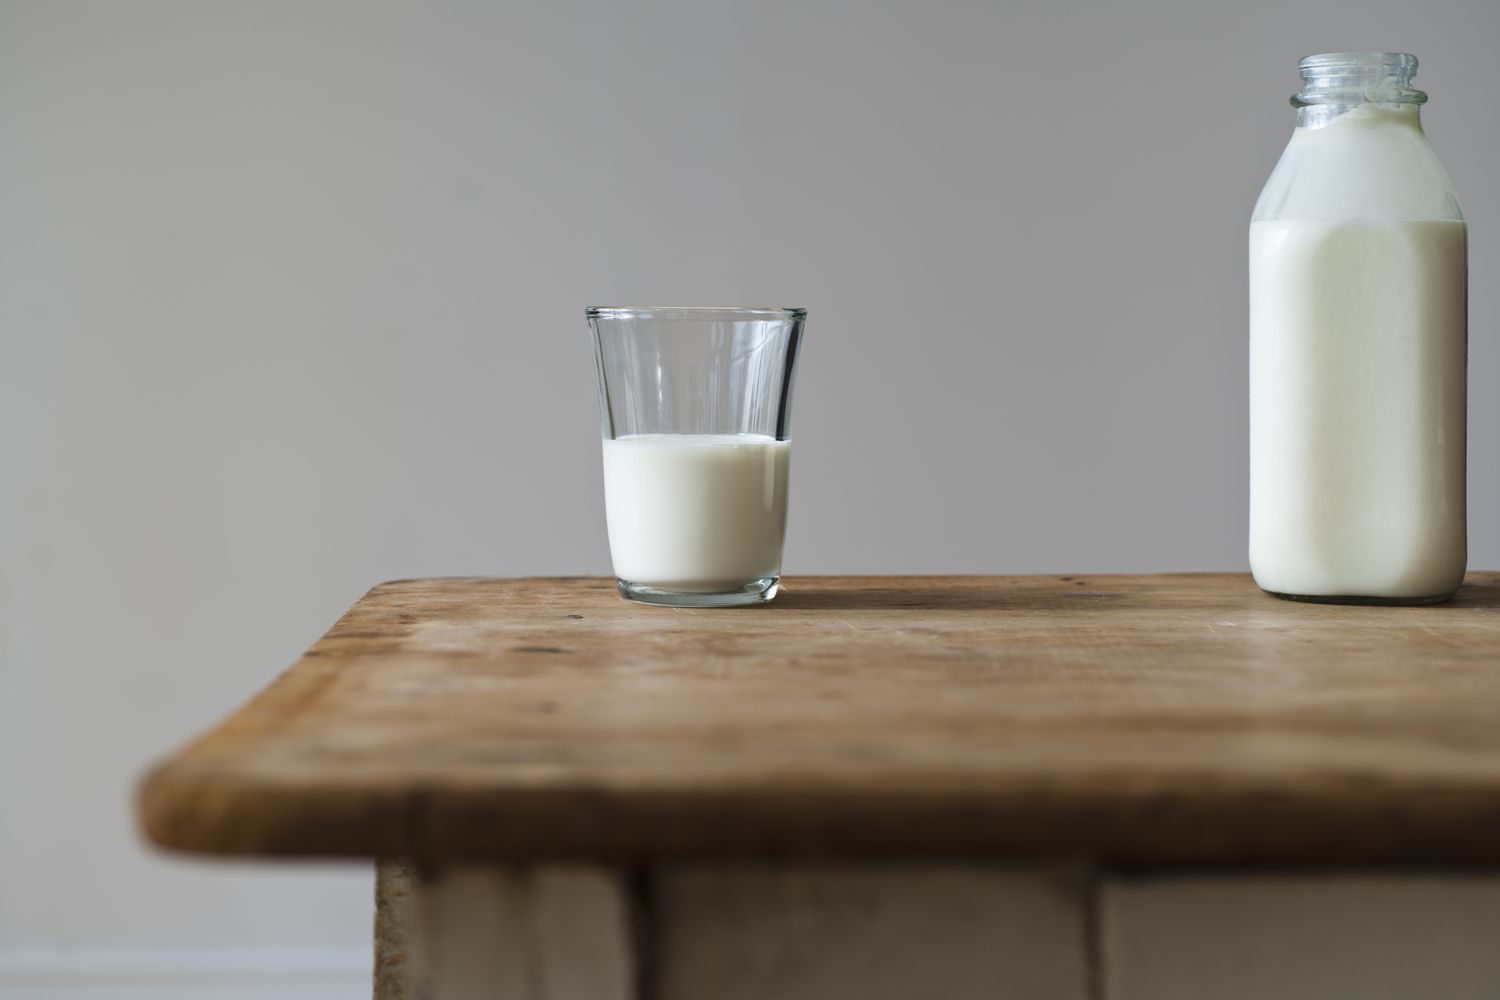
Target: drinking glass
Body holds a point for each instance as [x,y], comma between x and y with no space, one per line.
[696,406]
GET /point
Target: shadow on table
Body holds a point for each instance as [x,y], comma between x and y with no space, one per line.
[1063,594]
[1070,593]
[1474,594]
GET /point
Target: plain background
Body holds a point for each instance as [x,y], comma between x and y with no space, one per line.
[291,301]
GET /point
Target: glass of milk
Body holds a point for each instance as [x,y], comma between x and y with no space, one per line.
[696,406]
[1358,334]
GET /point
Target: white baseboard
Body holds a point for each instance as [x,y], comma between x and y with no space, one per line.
[187,974]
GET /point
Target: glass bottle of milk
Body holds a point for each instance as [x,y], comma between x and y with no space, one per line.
[1358,336]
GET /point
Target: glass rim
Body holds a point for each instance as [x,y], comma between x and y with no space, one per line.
[696,312]
[1324,60]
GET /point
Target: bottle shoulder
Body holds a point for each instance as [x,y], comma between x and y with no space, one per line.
[1370,165]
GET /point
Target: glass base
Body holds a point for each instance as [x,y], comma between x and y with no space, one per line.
[1356,599]
[755,592]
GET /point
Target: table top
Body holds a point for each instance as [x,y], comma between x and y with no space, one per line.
[1135,720]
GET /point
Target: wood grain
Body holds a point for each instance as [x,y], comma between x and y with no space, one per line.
[1151,720]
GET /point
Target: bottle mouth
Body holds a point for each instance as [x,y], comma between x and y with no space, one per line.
[1358,78]
[700,313]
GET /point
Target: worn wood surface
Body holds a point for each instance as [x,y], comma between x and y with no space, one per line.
[1151,720]
[397,956]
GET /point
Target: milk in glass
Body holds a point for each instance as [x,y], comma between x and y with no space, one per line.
[695,513]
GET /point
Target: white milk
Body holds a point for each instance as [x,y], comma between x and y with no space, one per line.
[697,513]
[1357,354]
[1357,407]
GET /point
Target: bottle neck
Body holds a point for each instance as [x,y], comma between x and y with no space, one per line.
[1336,83]
[1317,115]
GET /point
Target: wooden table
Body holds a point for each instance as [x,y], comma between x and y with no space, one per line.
[1052,786]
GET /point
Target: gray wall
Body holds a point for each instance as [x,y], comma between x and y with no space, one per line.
[291,301]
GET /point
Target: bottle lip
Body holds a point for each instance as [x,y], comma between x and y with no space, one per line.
[709,313]
[1350,78]
[1396,63]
